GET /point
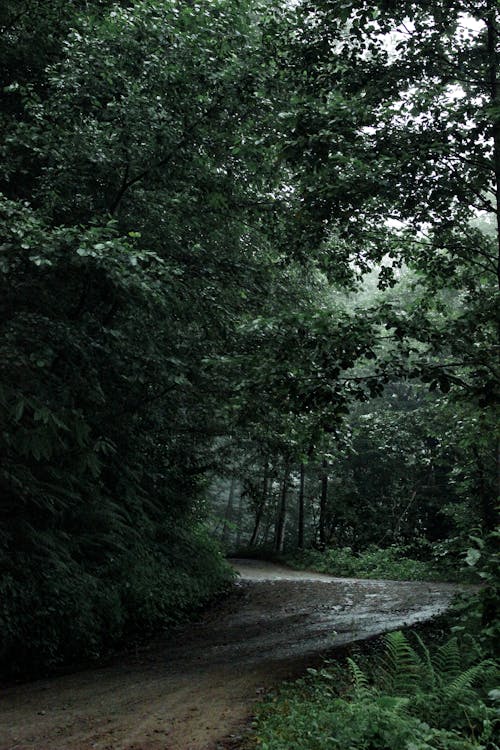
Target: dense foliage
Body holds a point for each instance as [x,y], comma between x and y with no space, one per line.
[118,279]
[192,198]
[393,143]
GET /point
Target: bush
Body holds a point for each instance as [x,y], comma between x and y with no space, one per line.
[57,610]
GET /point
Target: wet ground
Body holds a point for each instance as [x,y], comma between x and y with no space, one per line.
[190,691]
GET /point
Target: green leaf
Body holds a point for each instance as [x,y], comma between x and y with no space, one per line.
[473,556]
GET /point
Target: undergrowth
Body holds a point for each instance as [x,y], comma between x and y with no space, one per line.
[409,696]
[389,563]
[60,612]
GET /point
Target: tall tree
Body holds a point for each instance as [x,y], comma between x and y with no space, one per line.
[394,140]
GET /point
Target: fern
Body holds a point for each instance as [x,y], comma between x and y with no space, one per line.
[433,685]
[360,681]
[428,670]
[475,675]
[423,700]
[447,661]
[402,667]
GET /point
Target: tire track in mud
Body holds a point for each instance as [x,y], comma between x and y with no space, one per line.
[189,691]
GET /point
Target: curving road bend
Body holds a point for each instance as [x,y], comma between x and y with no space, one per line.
[192,690]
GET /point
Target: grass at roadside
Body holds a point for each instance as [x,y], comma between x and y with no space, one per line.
[393,563]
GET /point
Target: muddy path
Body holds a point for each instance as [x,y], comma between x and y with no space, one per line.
[188,692]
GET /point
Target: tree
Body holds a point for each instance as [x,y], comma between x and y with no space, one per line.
[394,142]
[127,138]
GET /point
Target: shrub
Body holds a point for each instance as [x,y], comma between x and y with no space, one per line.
[57,610]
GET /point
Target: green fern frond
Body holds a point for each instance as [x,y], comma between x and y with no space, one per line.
[428,669]
[394,703]
[447,661]
[360,681]
[463,682]
[402,665]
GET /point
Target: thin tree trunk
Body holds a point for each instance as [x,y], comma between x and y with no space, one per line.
[486,496]
[256,527]
[239,520]
[260,508]
[267,529]
[300,539]
[228,515]
[279,536]
[323,504]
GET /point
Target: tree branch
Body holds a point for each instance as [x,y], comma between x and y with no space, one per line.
[127,182]
[16,18]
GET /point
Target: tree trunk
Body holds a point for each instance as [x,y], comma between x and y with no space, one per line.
[486,494]
[239,520]
[279,535]
[256,527]
[300,539]
[492,47]
[260,508]
[228,515]
[267,529]
[322,505]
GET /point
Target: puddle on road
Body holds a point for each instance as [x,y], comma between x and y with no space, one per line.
[286,614]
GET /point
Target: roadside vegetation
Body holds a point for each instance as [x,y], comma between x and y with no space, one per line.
[391,563]
[407,693]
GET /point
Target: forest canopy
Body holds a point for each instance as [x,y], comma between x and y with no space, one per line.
[244,245]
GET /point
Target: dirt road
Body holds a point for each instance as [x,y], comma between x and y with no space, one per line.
[188,692]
